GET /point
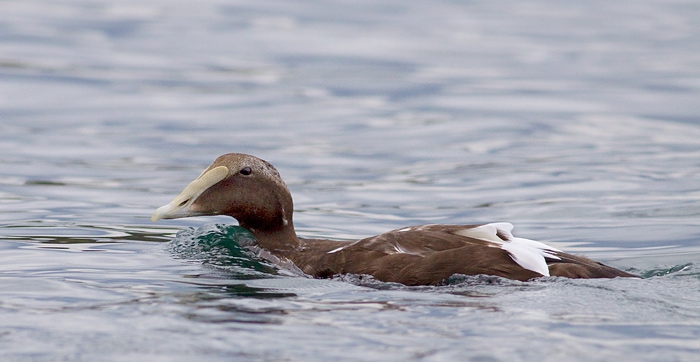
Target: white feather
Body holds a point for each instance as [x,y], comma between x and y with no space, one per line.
[488,232]
[529,254]
[337,249]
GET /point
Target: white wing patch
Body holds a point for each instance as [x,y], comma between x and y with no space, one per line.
[489,232]
[529,254]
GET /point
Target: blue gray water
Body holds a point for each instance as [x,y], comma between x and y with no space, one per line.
[577,122]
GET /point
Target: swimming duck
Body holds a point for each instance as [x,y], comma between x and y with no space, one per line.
[251,190]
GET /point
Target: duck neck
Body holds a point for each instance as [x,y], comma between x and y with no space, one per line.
[272,225]
[279,241]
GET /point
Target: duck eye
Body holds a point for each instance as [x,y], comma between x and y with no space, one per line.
[246,171]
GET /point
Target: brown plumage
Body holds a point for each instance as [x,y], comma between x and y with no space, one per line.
[252,191]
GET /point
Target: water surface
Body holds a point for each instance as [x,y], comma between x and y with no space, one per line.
[577,123]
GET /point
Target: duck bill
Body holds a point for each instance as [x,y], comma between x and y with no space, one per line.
[181,205]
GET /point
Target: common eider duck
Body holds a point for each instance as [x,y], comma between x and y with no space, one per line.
[251,191]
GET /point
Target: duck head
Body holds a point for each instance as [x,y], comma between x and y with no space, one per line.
[242,186]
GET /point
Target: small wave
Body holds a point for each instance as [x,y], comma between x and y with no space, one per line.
[222,247]
[662,271]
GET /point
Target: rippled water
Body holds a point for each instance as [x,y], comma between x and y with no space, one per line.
[579,123]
